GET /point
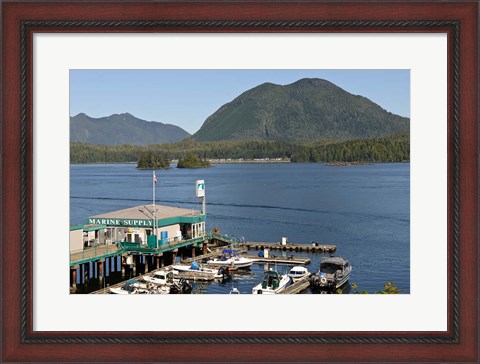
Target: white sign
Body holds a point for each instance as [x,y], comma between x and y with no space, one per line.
[200,188]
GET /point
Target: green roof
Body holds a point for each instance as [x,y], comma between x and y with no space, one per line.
[75,227]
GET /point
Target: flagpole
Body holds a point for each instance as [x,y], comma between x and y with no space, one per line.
[154,210]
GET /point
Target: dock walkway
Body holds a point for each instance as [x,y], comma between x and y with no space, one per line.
[280,260]
[317,248]
[299,286]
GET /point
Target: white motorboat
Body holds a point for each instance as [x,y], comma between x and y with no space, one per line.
[272,283]
[132,287]
[334,273]
[161,277]
[234,290]
[298,272]
[198,272]
[231,259]
[164,280]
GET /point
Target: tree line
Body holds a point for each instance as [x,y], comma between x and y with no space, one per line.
[395,148]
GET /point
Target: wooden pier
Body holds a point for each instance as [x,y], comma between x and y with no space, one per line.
[299,286]
[194,276]
[309,248]
[291,260]
[213,254]
[280,260]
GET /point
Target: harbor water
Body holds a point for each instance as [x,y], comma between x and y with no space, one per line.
[362,209]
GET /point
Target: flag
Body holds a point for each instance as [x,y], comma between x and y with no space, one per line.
[154,178]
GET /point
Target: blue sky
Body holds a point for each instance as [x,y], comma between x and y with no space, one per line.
[187,97]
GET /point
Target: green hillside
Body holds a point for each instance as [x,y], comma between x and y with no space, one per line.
[120,129]
[394,148]
[309,109]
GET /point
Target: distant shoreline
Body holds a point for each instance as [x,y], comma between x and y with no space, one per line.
[343,164]
[247,161]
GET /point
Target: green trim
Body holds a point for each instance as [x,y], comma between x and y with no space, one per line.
[76,227]
[180,220]
[147,223]
[95,228]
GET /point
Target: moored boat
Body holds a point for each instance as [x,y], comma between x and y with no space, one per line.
[166,278]
[198,272]
[161,277]
[234,290]
[231,259]
[297,273]
[333,274]
[133,286]
[272,283]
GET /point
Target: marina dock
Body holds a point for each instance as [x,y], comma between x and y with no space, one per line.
[299,286]
[294,288]
[291,260]
[309,248]
[280,260]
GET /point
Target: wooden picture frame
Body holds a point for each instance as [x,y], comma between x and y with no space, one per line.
[21,19]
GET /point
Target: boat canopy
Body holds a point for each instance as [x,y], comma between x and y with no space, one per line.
[271,278]
[229,251]
[194,266]
[334,260]
[272,273]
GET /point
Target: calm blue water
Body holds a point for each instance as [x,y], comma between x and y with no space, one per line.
[363,210]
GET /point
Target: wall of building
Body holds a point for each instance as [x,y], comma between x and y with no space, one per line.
[76,240]
[171,229]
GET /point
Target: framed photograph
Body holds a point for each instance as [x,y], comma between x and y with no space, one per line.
[59,57]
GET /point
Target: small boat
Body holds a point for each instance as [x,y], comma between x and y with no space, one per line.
[161,277]
[234,290]
[132,286]
[272,283]
[180,286]
[297,273]
[334,273]
[165,278]
[231,259]
[197,271]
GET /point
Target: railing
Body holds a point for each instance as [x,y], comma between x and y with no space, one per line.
[103,251]
[97,252]
[230,240]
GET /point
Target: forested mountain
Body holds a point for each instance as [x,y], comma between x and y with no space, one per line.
[307,110]
[120,129]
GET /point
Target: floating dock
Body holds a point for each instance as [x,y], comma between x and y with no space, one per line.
[209,255]
[299,286]
[280,260]
[296,287]
[194,276]
[242,250]
[311,248]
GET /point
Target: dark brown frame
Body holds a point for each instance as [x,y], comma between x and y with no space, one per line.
[458,19]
